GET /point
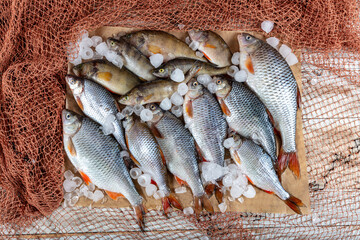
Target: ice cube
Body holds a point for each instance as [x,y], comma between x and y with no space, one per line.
[78,181]
[273,41]
[102,48]
[144,180]
[138,108]
[146,115]
[250,192]
[135,173]
[86,43]
[212,87]
[211,171]
[241,180]
[120,116]
[161,193]
[240,199]
[84,34]
[156,195]
[232,70]
[97,56]
[176,99]
[83,188]
[199,54]
[73,201]
[177,111]
[181,26]
[182,89]
[86,53]
[114,58]
[291,59]
[76,61]
[96,40]
[240,76]
[235,59]
[284,50]
[188,40]
[108,127]
[150,189]
[127,111]
[156,60]
[165,104]
[76,192]
[177,75]
[236,191]
[69,185]
[180,190]
[67,196]
[188,210]
[233,169]
[194,45]
[227,180]
[231,199]
[69,174]
[222,207]
[91,187]
[229,142]
[89,195]
[98,195]
[124,153]
[267,26]
[204,79]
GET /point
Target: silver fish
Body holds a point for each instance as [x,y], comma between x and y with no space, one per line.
[178,147]
[147,154]
[246,114]
[97,157]
[258,167]
[204,117]
[97,103]
[271,78]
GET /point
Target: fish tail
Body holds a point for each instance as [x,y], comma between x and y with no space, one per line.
[200,203]
[218,193]
[290,160]
[169,201]
[140,211]
[209,189]
[294,203]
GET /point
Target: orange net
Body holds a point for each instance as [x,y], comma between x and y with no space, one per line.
[33,62]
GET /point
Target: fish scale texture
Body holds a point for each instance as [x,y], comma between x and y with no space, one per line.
[34,36]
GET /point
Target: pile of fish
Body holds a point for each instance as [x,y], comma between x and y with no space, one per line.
[127,102]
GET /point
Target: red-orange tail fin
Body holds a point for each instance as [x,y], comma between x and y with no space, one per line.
[209,189]
[289,160]
[218,193]
[139,213]
[294,203]
[200,203]
[169,201]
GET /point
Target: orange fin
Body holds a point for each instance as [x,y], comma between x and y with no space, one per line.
[85,177]
[134,159]
[181,182]
[224,108]
[294,203]
[169,201]
[155,131]
[249,180]
[153,182]
[113,195]
[154,49]
[71,148]
[269,192]
[78,101]
[237,158]
[298,98]
[249,65]
[209,189]
[218,193]
[140,211]
[200,203]
[208,45]
[148,97]
[162,156]
[207,57]
[189,109]
[105,76]
[289,160]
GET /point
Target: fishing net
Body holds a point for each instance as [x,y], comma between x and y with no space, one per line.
[33,62]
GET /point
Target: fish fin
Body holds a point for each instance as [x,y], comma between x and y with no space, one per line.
[200,203]
[224,108]
[249,65]
[189,109]
[153,182]
[71,148]
[155,131]
[180,181]
[206,56]
[162,156]
[289,160]
[208,45]
[105,76]
[139,213]
[201,157]
[294,203]
[237,157]
[218,193]
[269,192]
[134,160]
[249,180]
[148,97]
[154,49]
[170,201]
[114,195]
[85,177]
[209,189]
[298,98]
[276,132]
[80,104]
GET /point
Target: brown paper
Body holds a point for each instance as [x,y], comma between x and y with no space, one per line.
[263,202]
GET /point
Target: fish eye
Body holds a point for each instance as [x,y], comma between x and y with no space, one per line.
[152,107]
[126,98]
[112,43]
[195,84]
[218,82]
[67,116]
[248,37]
[161,70]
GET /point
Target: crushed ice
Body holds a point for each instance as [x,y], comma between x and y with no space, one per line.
[267,26]
[177,75]
[156,60]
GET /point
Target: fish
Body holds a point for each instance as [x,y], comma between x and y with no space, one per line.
[258,167]
[165,70]
[178,147]
[245,113]
[97,157]
[206,123]
[155,91]
[146,153]
[97,103]
[212,46]
[150,42]
[271,78]
[132,58]
[114,79]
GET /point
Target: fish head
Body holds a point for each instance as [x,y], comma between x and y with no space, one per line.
[132,98]
[156,110]
[75,83]
[199,36]
[162,71]
[116,45]
[237,139]
[248,43]
[78,69]
[223,86]
[195,89]
[128,122]
[71,122]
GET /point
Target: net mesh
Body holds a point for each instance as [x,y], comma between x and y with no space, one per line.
[34,36]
